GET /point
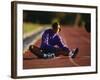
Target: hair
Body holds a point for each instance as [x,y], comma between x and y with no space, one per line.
[55,25]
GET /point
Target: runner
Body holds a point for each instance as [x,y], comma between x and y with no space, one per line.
[52,44]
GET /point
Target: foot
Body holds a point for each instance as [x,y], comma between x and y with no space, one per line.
[73,53]
[48,55]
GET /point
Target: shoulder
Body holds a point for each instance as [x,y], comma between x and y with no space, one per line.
[58,36]
[48,31]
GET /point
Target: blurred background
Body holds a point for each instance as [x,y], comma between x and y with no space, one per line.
[36,18]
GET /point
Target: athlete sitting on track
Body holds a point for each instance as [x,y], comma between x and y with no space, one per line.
[52,44]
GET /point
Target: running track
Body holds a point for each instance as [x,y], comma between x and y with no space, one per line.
[73,37]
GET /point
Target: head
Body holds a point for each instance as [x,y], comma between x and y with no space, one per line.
[56,27]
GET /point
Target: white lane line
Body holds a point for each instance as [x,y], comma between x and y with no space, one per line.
[34,40]
[77,57]
[25,35]
[73,62]
[37,38]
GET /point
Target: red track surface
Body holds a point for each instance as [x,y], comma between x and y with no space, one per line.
[73,37]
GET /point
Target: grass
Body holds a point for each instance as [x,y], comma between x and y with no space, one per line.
[29,27]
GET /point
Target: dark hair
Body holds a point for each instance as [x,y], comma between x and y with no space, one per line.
[55,25]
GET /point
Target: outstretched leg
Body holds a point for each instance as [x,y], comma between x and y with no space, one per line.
[56,51]
[71,53]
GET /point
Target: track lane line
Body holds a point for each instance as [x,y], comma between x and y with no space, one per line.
[73,62]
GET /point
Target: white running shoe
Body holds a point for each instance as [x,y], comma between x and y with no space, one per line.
[73,53]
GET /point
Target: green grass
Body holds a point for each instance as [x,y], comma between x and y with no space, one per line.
[29,27]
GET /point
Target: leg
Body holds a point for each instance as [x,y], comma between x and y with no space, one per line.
[60,51]
[57,51]
[35,50]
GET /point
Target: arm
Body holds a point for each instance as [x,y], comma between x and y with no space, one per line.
[45,40]
[61,44]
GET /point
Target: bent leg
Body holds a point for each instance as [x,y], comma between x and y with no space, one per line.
[35,50]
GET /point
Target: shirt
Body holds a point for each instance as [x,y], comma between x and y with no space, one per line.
[51,39]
